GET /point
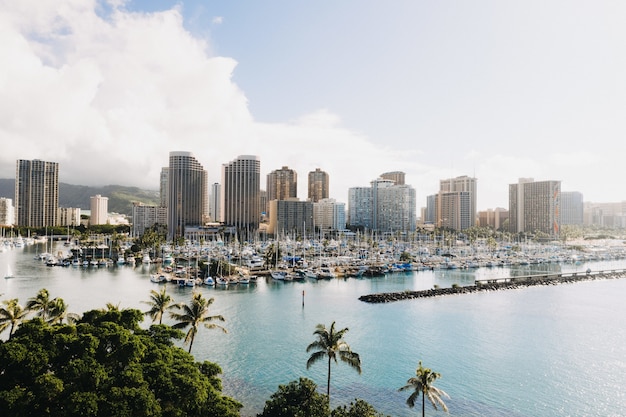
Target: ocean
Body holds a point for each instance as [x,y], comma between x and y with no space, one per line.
[534,352]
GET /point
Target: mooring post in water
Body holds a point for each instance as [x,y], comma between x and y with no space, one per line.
[302,298]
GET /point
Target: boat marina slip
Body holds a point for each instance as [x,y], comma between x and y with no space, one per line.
[534,351]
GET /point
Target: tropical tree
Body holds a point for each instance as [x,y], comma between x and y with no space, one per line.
[58,312]
[11,315]
[159,303]
[41,304]
[330,344]
[296,399]
[194,314]
[422,383]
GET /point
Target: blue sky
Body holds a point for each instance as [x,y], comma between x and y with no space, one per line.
[492,89]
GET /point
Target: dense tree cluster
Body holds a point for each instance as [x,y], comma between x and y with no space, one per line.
[106,365]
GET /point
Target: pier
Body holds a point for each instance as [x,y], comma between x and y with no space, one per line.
[497,284]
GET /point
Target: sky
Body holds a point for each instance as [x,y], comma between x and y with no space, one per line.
[496,90]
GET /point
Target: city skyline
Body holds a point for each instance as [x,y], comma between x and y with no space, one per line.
[493,91]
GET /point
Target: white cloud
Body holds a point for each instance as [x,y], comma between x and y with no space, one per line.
[217,20]
[109,98]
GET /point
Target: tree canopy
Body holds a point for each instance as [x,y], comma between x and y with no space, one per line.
[106,365]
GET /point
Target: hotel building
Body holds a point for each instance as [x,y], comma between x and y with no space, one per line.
[36,193]
[186,194]
[241,188]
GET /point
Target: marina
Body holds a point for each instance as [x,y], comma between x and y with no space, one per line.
[534,351]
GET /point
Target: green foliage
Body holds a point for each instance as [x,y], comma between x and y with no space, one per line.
[406,257]
[358,408]
[297,399]
[106,365]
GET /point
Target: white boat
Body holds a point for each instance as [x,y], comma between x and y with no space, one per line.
[146,259]
[221,281]
[209,281]
[278,275]
[158,278]
[9,272]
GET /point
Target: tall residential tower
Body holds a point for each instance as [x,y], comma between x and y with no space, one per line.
[186,194]
[318,185]
[241,189]
[36,193]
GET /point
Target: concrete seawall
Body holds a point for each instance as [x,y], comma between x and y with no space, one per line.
[496,285]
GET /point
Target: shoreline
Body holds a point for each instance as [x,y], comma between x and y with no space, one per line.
[495,285]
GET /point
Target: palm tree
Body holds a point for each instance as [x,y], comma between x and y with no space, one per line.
[159,302]
[422,383]
[330,344]
[193,315]
[11,315]
[41,304]
[58,312]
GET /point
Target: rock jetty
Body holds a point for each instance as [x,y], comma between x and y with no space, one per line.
[494,285]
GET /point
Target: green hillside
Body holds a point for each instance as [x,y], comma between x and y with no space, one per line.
[120,197]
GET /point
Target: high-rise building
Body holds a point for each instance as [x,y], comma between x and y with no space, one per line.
[495,219]
[144,217]
[384,207]
[456,203]
[215,196]
[430,214]
[99,209]
[36,193]
[186,191]
[163,187]
[534,206]
[282,184]
[241,188]
[360,207]
[69,216]
[318,185]
[328,214]
[396,176]
[612,215]
[290,217]
[7,213]
[571,208]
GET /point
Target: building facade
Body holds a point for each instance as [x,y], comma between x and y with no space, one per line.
[282,184]
[329,215]
[36,193]
[384,207]
[572,208]
[241,188]
[99,209]
[318,185]
[163,187]
[186,195]
[290,218]
[215,195]
[69,216]
[7,213]
[456,203]
[398,177]
[144,217]
[360,207]
[495,219]
[534,206]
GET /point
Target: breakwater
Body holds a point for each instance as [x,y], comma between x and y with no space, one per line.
[499,284]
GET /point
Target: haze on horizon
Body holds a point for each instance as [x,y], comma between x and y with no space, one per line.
[494,90]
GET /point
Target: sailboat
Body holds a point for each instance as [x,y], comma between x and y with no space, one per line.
[9,272]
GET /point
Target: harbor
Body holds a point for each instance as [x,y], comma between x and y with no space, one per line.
[568,333]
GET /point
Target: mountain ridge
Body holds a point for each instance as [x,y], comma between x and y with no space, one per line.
[121,197]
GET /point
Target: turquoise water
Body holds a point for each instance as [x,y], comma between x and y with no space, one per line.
[543,351]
